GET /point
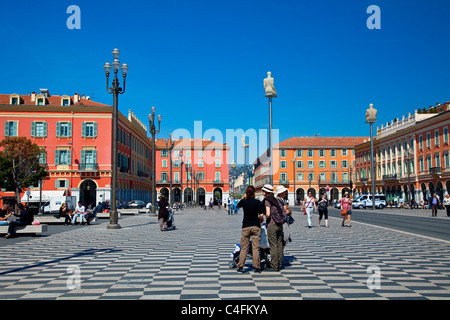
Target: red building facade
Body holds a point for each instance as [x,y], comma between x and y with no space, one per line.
[199,170]
[74,134]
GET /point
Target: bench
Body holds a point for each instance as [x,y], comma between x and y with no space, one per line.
[51,219]
[26,229]
[106,215]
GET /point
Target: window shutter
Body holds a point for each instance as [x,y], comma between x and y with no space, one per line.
[69,129]
[56,184]
[83,155]
[45,129]
[15,128]
[83,130]
[58,129]
[33,129]
[6,128]
[69,156]
[56,157]
[95,129]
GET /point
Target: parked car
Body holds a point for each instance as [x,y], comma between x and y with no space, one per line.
[136,204]
[365,201]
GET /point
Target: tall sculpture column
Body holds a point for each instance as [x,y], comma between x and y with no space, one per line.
[270,93]
[371,118]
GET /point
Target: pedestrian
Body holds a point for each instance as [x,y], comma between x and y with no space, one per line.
[79,212]
[251,228]
[25,218]
[163,213]
[309,204]
[323,210]
[5,213]
[434,205]
[346,204]
[281,194]
[274,229]
[229,206]
[447,204]
[236,209]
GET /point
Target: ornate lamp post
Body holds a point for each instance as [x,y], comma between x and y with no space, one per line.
[154,132]
[170,144]
[115,90]
[181,179]
[294,163]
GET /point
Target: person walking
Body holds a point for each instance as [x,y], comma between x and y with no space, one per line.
[274,229]
[251,229]
[163,213]
[323,210]
[309,204]
[346,204]
[447,204]
[434,205]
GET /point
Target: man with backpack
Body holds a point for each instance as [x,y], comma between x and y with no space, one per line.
[275,217]
[25,218]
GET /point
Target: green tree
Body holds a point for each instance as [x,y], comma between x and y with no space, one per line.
[19,164]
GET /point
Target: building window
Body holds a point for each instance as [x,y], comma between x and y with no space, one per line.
[333,164]
[89,159]
[283,164]
[323,176]
[201,176]
[63,129]
[217,163]
[421,165]
[300,176]
[344,152]
[11,128]
[62,183]
[89,130]
[217,153]
[62,157]
[446,159]
[333,153]
[283,177]
[322,164]
[163,176]
[420,142]
[176,177]
[310,164]
[217,176]
[39,129]
[176,163]
[43,157]
[344,163]
[299,164]
[282,153]
[164,153]
[200,163]
[310,153]
[164,163]
[428,139]
[299,153]
[311,176]
[436,137]
[321,153]
[429,165]
[445,137]
[15,101]
[437,159]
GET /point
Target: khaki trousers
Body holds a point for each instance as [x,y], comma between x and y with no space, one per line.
[255,234]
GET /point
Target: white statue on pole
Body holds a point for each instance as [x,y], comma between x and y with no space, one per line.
[268,86]
[371,114]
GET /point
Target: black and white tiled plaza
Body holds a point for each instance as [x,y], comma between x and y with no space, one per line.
[141,262]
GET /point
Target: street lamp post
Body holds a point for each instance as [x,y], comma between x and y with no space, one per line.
[115,90]
[294,177]
[245,146]
[181,178]
[371,118]
[154,132]
[408,161]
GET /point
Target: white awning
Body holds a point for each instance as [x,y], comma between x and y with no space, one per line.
[46,195]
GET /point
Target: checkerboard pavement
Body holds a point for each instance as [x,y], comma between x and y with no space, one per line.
[141,262]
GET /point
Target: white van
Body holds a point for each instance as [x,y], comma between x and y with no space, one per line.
[365,201]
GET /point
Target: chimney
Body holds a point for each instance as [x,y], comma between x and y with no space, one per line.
[33,96]
[76,98]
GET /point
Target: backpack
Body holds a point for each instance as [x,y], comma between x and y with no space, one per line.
[279,216]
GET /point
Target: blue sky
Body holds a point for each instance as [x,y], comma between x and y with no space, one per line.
[206,60]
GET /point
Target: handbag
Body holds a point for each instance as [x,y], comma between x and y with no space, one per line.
[304,210]
[343,212]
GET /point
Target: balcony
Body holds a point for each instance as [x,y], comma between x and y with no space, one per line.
[435,170]
[88,167]
[143,174]
[390,177]
[218,181]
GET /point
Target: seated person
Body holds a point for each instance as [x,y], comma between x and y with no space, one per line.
[5,213]
[25,218]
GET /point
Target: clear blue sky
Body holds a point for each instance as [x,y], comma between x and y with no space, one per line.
[206,60]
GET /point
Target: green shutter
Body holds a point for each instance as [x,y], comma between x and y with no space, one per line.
[45,129]
[58,129]
[6,128]
[69,129]
[83,130]
[95,129]
[33,129]
[69,156]
[15,128]
[94,156]
[56,157]
[83,156]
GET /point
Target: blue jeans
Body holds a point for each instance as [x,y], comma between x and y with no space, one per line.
[76,216]
[3,223]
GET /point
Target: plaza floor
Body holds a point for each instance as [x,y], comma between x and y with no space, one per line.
[140,262]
